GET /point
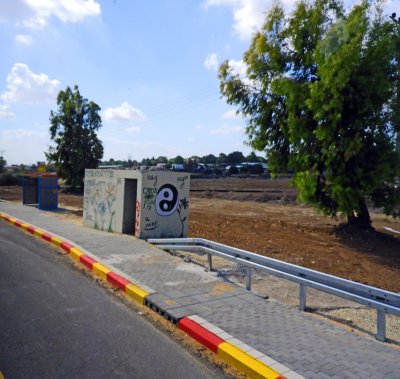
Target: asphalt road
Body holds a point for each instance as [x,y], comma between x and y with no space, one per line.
[57,323]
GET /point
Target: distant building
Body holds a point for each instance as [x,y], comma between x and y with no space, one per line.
[178,167]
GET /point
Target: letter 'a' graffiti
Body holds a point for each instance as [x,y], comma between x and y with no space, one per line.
[166,200]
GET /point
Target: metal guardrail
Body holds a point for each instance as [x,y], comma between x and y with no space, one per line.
[381,300]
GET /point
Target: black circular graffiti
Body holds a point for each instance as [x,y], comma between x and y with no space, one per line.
[166,200]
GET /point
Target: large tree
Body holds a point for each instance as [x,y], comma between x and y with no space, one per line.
[73,128]
[320,98]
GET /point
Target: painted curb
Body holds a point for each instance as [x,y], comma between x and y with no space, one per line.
[232,354]
[131,289]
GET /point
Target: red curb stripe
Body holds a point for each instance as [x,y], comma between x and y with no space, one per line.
[18,223]
[7,218]
[47,237]
[31,229]
[200,334]
[117,280]
[66,246]
[87,261]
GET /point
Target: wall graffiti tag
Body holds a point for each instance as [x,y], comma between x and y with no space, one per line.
[137,222]
[182,179]
[149,195]
[166,200]
[151,225]
[153,178]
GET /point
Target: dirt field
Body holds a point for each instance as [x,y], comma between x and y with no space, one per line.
[262,216]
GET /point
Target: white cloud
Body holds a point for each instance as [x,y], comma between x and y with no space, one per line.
[211,62]
[238,67]
[24,39]
[231,114]
[21,134]
[226,130]
[191,139]
[36,13]
[26,87]
[123,113]
[199,126]
[5,114]
[248,15]
[133,130]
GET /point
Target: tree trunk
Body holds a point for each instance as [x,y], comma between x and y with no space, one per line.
[362,220]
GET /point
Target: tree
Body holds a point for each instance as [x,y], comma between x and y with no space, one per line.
[233,170]
[73,128]
[178,160]
[3,163]
[320,98]
[209,159]
[162,159]
[235,157]
[222,158]
[252,157]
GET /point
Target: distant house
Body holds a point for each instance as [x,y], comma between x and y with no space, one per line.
[262,164]
[177,167]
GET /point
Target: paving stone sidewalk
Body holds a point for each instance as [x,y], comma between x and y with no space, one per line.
[311,347]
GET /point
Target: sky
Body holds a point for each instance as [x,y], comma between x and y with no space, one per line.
[151,66]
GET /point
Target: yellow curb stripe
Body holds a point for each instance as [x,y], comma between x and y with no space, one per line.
[245,362]
[56,241]
[101,270]
[24,226]
[38,233]
[136,292]
[12,220]
[2,215]
[75,253]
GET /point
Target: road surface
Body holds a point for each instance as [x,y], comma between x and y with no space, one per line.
[57,323]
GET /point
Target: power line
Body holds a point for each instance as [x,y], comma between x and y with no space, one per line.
[182,103]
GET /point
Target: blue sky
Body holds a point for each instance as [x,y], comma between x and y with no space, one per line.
[150,65]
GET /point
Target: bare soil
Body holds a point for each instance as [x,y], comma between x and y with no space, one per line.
[271,223]
[262,216]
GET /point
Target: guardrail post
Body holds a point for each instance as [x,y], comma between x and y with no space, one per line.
[381,325]
[248,279]
[302,297]
[209,261]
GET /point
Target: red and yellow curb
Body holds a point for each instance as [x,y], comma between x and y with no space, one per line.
[230,353]
[132,290]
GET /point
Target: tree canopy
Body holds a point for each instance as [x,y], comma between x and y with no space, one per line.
[73,128]
[320,97]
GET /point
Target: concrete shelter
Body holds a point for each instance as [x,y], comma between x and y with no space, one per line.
[146,204]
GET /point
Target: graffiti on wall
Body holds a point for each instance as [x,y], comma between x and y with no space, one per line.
[183,205]
[100,197]
[149,194]
[166,200]
[137,222]
[152,178]
[151,225]
[182,180]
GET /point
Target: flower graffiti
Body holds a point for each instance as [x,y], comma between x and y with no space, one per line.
[183,205]
[110,198]
[101,202]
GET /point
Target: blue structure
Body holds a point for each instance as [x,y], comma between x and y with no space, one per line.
[40,190]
